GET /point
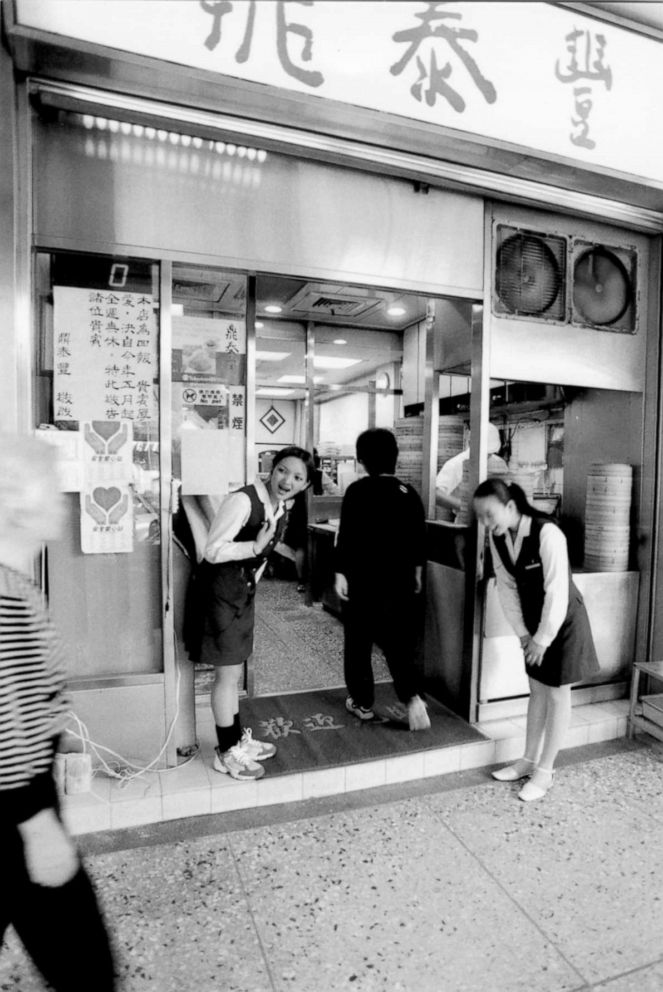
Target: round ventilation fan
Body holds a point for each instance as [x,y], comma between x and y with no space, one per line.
[528,277]
[601,287]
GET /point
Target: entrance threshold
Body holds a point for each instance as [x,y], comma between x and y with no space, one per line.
[311,765]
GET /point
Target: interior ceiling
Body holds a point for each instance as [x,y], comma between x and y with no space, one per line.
[218,292]
[354,315]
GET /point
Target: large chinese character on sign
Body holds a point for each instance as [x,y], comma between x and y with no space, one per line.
[284,29]
[436,45]
[583,66]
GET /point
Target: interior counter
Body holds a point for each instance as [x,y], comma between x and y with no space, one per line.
[611,599]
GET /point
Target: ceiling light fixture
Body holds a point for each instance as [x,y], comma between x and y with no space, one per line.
[333,362]
[273,308]
[273,391]
[340,341]
[396,311]
[300,378]
[272,356]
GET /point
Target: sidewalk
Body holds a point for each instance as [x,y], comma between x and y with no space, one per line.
[447,884]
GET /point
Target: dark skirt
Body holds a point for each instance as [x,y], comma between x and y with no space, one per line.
[296,528]
[220,614]
[572,656]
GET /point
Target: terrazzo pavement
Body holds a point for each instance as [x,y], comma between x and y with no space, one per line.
[443,885]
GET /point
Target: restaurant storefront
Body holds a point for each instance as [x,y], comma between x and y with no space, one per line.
[174,178]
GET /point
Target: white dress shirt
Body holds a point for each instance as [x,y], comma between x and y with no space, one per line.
[450,476]
[231,516]
[555,562]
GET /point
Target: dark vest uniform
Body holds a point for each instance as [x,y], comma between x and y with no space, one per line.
[220,609]
[572,656]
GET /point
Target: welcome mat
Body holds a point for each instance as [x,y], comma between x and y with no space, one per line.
[314,730]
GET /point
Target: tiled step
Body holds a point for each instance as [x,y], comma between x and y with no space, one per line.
[195,789]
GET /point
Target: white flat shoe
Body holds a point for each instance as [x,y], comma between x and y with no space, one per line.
[417,716]
[537,786]
[511,773]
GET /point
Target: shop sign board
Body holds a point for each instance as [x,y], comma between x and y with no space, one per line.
[533,75]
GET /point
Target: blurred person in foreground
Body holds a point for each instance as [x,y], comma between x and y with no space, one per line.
[45,893]
[380,554]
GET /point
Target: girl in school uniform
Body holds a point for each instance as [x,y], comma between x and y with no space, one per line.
[219,628]
[547,613]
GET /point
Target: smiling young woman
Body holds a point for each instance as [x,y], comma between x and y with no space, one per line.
[221,599]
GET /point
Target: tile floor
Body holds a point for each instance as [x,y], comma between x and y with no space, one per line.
[299,648]
[444,885]
[195,789]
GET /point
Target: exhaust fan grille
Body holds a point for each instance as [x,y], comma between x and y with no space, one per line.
[530,273]
[604,280]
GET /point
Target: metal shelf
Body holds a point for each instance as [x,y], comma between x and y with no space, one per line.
[636,721]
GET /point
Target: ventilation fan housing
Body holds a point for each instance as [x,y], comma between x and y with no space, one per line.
[529,278]
[604,280]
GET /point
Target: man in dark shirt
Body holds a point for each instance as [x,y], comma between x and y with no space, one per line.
[380,555]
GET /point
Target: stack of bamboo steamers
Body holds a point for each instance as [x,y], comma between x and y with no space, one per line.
[607,517]
[409,433]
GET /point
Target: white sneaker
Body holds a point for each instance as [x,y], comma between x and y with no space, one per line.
[416,714]
[237,763]
[361,712]
[256,750]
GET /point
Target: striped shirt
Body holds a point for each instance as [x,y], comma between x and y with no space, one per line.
[32,699]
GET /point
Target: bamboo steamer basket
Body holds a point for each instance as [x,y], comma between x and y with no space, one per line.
[607,517]
[409,436]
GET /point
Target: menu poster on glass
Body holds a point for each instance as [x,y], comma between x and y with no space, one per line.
[209,350]
[105,355]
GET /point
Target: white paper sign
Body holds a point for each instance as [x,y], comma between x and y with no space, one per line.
[212,462]
[107,525]
[107,448]
[105,355]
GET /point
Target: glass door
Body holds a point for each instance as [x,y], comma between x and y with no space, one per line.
[329,364]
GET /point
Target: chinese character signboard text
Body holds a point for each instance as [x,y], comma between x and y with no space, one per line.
[533,75]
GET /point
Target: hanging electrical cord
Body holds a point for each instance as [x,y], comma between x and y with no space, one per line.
[123,774]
